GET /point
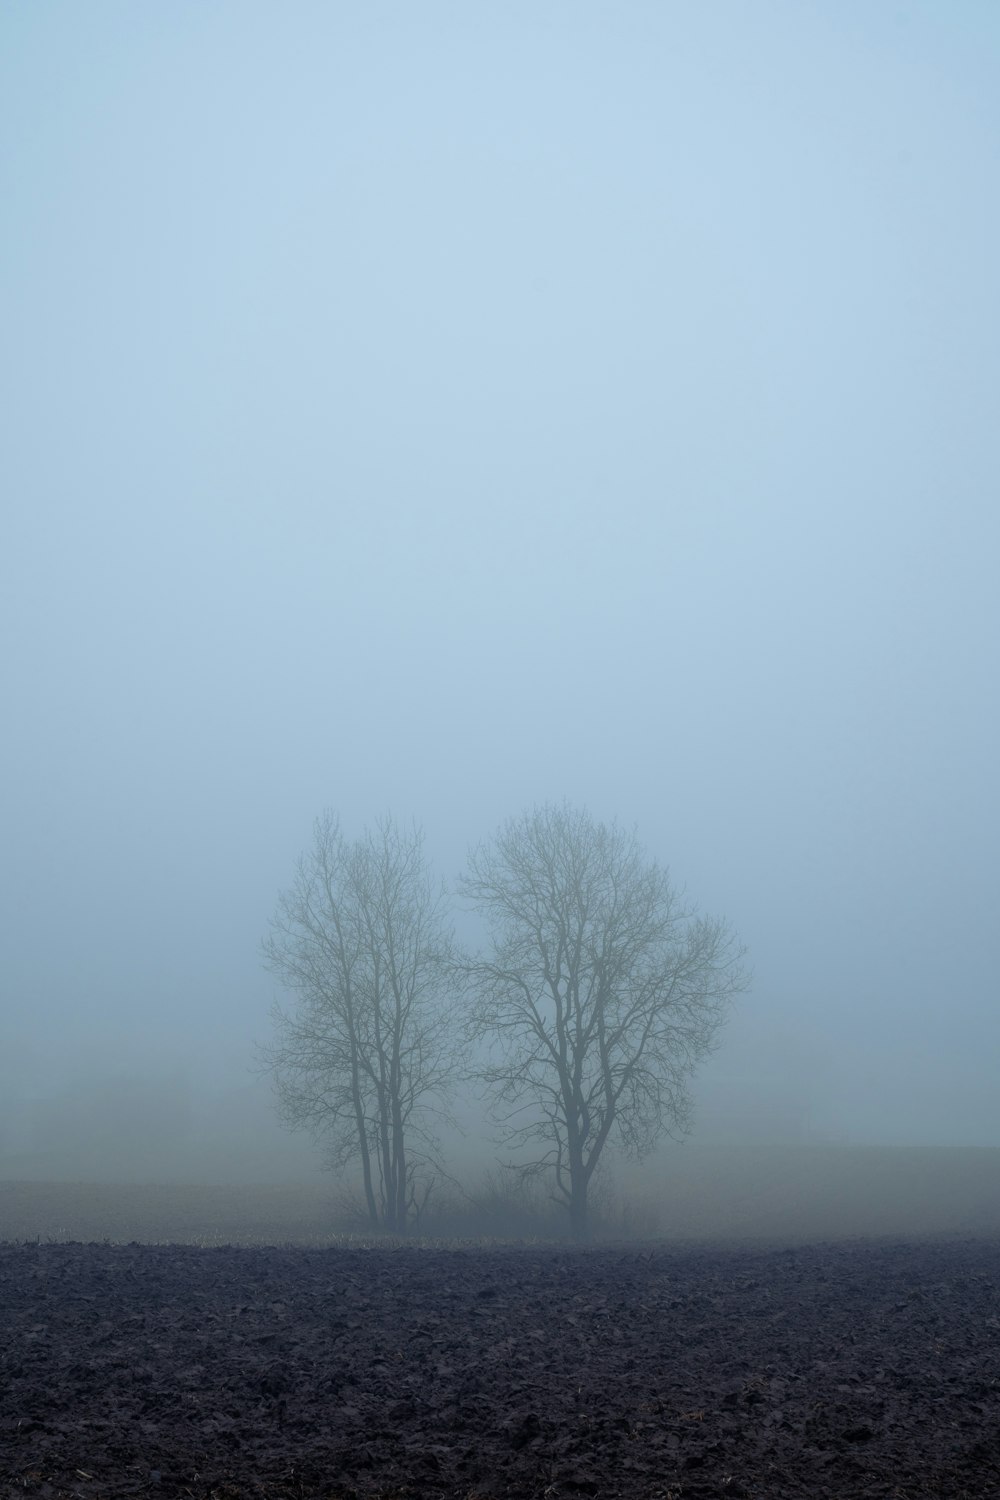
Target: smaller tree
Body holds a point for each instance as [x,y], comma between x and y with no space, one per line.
[602,993]
[366,1057]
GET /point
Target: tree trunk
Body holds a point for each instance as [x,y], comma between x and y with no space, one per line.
[578,1175]
[366,1175]
[579,1182]
[387,1163]
[362,1129]
[579,1223]
[399,1155]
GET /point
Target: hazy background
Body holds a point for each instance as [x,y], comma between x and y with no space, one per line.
[442,408]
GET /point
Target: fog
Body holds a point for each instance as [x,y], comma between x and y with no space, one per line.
[441,409]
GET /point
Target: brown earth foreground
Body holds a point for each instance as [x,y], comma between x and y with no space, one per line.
[848,1370]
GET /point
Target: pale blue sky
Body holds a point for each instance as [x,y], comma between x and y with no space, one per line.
[441,408]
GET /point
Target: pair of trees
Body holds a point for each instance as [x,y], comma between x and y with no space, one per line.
[599,993]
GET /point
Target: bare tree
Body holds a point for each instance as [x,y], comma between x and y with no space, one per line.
[601,994]
[365,1058]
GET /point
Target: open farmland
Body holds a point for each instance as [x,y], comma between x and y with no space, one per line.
[788,1323]
[856,1369]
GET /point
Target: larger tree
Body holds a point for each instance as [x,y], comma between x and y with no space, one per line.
[365,1056]
[602,991]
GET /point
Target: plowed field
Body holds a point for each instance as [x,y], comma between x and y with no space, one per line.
[849,1370]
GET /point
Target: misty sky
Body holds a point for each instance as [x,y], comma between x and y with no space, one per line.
[440,408]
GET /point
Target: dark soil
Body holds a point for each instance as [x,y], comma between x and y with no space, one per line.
[851,1370]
